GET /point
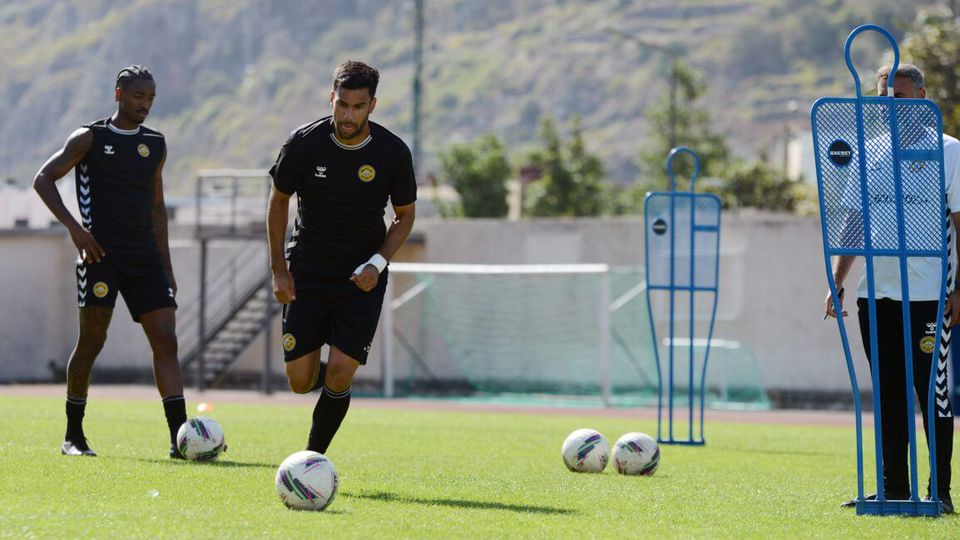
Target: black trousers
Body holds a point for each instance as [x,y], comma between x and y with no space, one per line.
[893,392]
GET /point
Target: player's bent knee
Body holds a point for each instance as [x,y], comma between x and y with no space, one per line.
[339,380]
[301,372]
[299,385]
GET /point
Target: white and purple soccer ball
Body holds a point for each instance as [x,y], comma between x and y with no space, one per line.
[201,439]
[636,454]
[585,450]
[307,481]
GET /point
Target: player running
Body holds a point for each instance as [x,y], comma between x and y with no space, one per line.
[343,169]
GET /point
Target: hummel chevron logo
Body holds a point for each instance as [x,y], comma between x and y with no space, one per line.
[321,172]
[108,149]
[82,272]
[84,179]
[82,283]
[83,167]
[85,202]
[85,211]
[84,190]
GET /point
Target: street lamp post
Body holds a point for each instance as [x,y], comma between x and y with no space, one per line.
[673,51]
[417,84]
[792,107]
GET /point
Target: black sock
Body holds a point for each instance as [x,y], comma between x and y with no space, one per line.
[175,407]
[327,416]
[75,410]
[321,376]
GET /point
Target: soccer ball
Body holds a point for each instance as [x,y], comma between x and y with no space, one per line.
[636,454]
[585,450]
[201,439]
[306,481]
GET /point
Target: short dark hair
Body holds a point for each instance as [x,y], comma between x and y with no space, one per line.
[909,71]
[131,73]
[354,75]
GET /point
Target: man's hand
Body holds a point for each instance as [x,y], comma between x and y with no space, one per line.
[283,288]
[87,245]
[828,304]
[952,308]
[367,279]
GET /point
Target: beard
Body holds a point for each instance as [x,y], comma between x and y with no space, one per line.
[357,129]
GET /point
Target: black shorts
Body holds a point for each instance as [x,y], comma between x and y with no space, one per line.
[141,279]
[331,309]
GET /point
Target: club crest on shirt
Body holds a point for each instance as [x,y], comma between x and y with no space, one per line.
[926,344]
[100,289]
[367,173]
[289,342]
[143,150]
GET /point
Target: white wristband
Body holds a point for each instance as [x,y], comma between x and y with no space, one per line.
[376,260]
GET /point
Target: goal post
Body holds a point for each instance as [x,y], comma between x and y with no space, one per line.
[566,334]
[503,328]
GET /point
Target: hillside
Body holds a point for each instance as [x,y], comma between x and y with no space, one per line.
[235,76]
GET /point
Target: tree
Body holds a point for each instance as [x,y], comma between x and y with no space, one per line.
[692,128]
[479,173]
[759,185]
[933,44]
[571,183]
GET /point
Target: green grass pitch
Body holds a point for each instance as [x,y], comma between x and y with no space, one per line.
[425,473]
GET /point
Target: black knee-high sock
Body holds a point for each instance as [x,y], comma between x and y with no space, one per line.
[75,410]
[327,415]
[175,408]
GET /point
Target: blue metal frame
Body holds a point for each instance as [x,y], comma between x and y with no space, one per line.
[882,506]
[672,288]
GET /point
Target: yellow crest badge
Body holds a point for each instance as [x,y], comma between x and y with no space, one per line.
[367,173]
[100,289]
[143,150]
[926,344]
[289,342]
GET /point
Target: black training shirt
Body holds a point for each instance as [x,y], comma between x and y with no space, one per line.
[341,193]
[115,186]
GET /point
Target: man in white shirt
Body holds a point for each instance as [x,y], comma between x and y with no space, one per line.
[925,287]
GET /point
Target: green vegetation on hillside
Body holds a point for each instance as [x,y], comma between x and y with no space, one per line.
[235,77]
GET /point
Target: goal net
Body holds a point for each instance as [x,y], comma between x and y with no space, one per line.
[578,332]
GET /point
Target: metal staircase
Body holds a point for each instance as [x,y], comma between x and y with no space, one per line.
[235,302]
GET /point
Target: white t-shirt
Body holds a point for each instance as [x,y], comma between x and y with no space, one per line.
[923,272]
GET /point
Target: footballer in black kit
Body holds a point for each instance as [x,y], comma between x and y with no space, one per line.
[115,189]
[344,170]
[122,241]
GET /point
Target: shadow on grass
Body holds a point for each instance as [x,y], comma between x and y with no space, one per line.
[216,463]
[457,503]
[809,453]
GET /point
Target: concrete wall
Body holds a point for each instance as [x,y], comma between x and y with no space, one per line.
[38,297]
[772,287]
[771,297]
